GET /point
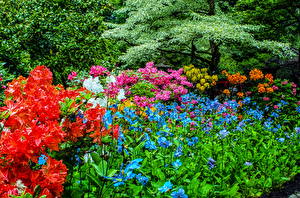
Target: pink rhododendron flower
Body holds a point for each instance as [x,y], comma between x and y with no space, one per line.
[298,103]
[294,91]
[150,64]
[72,75]
[98,71]
[143,101]
[112,90]
[294,85]
[284,82]
[164,95]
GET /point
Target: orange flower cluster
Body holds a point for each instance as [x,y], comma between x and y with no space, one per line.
[269,77]
[256,74]
[236,78]
[262,88]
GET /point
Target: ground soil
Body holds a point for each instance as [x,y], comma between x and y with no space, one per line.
[290,188]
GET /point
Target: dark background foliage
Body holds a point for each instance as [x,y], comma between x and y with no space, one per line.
[64,35]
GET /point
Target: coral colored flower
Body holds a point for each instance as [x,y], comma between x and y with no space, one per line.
[236,78]
[226,91]
[256,74]
[269,90]
[240,94]
[261,90]
[269,77]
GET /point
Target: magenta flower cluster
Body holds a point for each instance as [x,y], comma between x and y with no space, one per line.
[168,85]
[98,71]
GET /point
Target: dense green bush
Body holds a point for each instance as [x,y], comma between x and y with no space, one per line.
[63,35]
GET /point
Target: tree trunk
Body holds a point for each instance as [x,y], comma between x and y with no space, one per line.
[193,53]
[215,56]
[214,47]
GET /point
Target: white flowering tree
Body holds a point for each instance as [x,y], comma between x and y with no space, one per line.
[194,29]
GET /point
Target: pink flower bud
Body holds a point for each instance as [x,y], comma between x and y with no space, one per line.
[248,93]
[274,87]
[266,98]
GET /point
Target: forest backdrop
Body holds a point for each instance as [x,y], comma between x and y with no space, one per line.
[72,35]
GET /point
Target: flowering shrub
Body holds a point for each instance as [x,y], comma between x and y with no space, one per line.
[32,124]
[263,88]
[200,76]
[146,85]
[235,79]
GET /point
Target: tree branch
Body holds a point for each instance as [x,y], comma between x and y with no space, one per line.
[186,54]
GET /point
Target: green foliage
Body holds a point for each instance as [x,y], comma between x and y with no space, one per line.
[64,35]
[184,28]
[143,88]
[280,18]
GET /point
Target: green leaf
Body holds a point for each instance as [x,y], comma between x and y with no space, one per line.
[100,168]
[96,158]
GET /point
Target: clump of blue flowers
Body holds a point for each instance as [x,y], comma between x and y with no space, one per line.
[179,194]
[166,187]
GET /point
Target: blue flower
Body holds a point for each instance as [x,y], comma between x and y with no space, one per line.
[150,145]
[247,100]
[284,102]
[166,187]
[134,164]
[298,109]
[178,151]
[268,124]
[126,174]
[121,140]
[177,164]
[274,114]
[248,164]
[107,119]
[179,194]
[297,129]
[163,142]
[42,160]
[80,114]
[192,141]
[280,139]
[142,179]
[211,163]
[223,133]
